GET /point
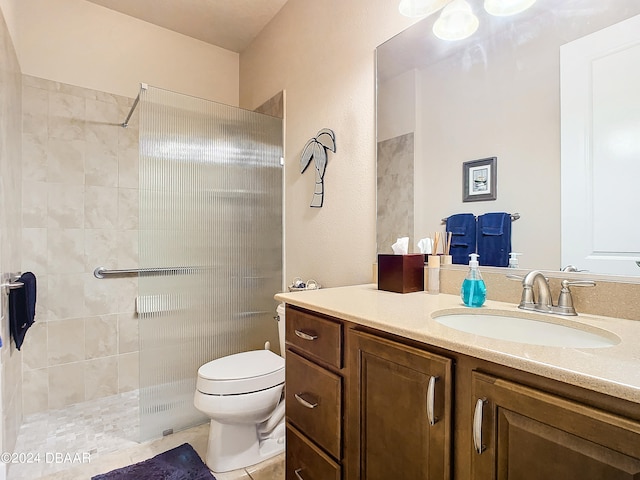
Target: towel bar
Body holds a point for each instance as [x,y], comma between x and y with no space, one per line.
[103,272]
[11,286]
[514,217]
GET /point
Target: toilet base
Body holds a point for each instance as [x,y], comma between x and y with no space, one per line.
[232,447]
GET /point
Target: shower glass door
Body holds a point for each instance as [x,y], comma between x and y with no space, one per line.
[210,245]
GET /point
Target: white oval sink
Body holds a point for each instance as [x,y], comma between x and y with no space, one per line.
[528,330]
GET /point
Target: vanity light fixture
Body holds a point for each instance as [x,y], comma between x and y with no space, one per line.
[456,21]
[420,8]
[503,8]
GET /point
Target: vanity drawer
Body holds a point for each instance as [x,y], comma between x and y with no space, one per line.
[315,335]
[306,461]
[314,402]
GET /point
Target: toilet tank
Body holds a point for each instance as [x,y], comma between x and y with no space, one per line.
[280,310]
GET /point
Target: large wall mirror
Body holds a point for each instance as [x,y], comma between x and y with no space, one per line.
[498,94]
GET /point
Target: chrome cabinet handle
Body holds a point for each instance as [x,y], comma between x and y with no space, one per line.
[305,336]
[477,426]
[297,472]
[431,400]
[304,402]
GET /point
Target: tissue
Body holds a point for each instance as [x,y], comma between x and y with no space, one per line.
[401,247]
[425,245]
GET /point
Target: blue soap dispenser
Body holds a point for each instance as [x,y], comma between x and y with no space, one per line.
[474,291]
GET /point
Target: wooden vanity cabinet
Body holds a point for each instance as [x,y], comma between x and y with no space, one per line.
[314,387]
[397,399]
[527,434]
[386,407]
[399,410]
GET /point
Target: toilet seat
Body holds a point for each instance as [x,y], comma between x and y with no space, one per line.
[241,373]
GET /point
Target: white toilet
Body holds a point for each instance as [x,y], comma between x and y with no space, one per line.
[243,396]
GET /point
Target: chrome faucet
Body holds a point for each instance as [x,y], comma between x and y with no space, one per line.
[528,301]
[543,301]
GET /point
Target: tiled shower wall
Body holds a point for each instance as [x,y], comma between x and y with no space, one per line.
[79,211]
[10,232]
[395,192]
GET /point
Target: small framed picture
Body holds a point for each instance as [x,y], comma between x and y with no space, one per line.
[479,180]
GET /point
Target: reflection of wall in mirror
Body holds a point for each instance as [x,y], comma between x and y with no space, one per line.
[500,97]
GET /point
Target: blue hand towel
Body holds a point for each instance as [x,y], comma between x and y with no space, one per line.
[494,239]
[463,237]
[22,307]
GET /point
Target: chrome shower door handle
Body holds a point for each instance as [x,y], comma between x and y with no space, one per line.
[431,400]
[477,426]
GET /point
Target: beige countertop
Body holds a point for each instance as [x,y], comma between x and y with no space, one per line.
[611,370]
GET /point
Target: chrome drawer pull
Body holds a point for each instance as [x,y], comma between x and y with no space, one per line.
[297,472]
[477,426]
[304,402]
[305,336]
[431,400]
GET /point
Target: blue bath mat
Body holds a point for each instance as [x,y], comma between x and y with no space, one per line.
[180,463]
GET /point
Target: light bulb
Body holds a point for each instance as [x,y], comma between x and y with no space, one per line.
[503,8]
[456,21]
[420,8]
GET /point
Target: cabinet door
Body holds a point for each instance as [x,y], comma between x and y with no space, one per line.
[525,434]
[400,411]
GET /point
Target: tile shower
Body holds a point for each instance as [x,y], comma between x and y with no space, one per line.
[395,191]
[70,205]
[10,231]
[79,211]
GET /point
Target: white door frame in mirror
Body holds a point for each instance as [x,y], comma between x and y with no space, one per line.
[600,139]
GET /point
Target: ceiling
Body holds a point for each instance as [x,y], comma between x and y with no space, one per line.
[230,24]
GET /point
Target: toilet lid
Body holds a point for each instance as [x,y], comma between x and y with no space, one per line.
[241,373]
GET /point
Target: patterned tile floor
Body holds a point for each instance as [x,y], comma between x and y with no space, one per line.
[94,437]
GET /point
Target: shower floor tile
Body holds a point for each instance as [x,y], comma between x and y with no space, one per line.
[103,434]
[59,439]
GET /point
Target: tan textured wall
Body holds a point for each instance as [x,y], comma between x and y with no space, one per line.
[83,44]
[322,54]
